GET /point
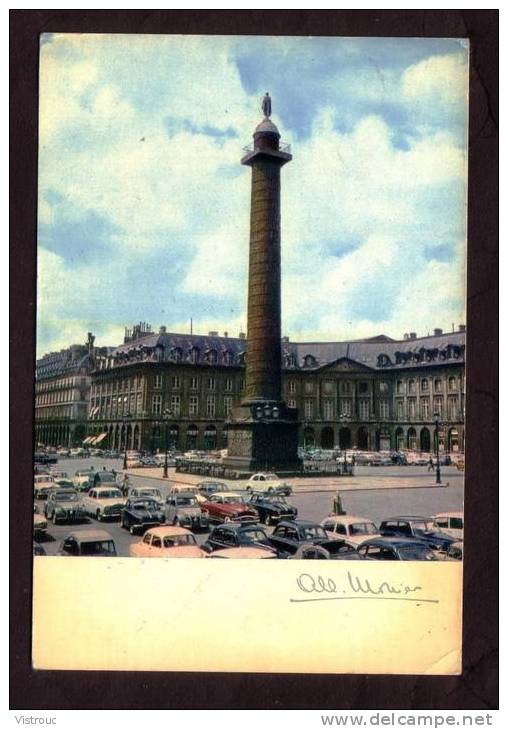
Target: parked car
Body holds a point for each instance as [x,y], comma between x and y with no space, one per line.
[43,479]
[397,548]
[207,488]
[102,478]
[104,502]
[451,523]
[64,505]
[38,550]
[242,553]
[338,550]
[140,513]
[272,507]
[183,509]
[87,543]
[288,535]
[167,541]
[237,535]
[43,485]
[419,527]
[269,482]
[57,474]
[353,529]
[64,483]
[455,551]
[40,523]
[229,506]
[83,480]
[147,492]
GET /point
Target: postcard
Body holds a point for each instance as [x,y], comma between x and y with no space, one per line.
[251,353]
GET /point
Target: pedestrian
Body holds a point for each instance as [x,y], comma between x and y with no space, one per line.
[337,505]
[125,485]
[431,464]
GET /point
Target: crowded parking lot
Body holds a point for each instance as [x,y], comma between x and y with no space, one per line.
[267,514]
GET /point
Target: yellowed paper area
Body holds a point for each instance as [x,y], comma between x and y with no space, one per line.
[216,615]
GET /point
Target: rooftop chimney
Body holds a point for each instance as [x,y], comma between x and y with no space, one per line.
[242,335]
[412,335]
[285,339]
[462,327]
[226,335]
[162,330]
[438,332]
[213,334]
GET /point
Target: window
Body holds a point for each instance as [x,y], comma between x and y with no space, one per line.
[383,387]
[438,386]
[309,387]
[452,407]
[309,408]
[292,404]
[363,409]
[228,404]
[363,387]
[175,405]
[175,381]
[194,354]
[211,383]
[424,408]
[193,383]
[157,404]
[400,409]
[346,407]
[292,386]
[411,404]
[328,410]
[211,356]
[210,406]
[411,387]
[384,409]
[158,381]
[424,384]
[193,405]
[438,406]
[228,385]
[345,388]
[328,387]
[452,384]
[400,387]
[156,542]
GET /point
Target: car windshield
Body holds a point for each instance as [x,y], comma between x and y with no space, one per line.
[420,527]
[232,499]
[253,535]
[144,504]
[456,523]
[69,496]
[416,552]
[313,532]
[110,494]
[180,540]
[152,493]
[366,527]
[186,501]
[90,549]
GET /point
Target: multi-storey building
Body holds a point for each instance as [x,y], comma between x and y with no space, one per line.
[373,393]
[62,387]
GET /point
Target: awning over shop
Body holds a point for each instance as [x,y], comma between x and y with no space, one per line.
[100,438]
[88,439]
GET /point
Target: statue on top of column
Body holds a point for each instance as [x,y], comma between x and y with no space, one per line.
[266,105]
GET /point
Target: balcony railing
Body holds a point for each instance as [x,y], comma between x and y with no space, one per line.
[283,147]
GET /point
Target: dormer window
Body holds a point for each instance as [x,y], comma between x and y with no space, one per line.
[175,354]
[309,361]
[227,357]
[211,356]
[290,360]
[240,358]
[383,360]
[194,354]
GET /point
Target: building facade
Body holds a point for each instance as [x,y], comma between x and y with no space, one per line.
[62,392]
[376,393]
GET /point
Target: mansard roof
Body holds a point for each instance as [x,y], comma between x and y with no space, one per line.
[377,353]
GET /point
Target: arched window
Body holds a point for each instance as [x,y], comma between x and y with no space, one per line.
[424,384]
[309,361]
[438,385]
[452,384]
[383,360]
[400,387]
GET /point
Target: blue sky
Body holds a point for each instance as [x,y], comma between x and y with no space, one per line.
[144,206]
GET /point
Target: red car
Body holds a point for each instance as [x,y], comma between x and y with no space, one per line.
[229,506]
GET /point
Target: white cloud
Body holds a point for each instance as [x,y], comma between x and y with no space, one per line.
[444,77]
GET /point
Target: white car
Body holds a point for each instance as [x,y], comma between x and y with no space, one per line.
[451,523]
[104,502]
[268,482]
[353,529]
[146,492]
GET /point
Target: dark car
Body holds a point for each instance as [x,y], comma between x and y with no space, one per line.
[38,550]
[418,527]
[237,535]
[87,543]
[103,478]
[336,550]
[64,505]
[288,535]
[397,548]
[207,488]
[272,508]
[139,514]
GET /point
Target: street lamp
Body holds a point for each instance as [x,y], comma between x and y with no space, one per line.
[166,415]
[436,435]
[125,418]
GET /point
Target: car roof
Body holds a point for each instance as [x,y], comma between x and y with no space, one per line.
[244,553]
[106,487]
[348,519]
[394,541]
[409,518]
[458,514]
[183,494]
[166,531]
[89,535]
[299,522]
[235,526]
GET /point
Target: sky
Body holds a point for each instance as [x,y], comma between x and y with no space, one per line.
[143,210]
